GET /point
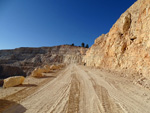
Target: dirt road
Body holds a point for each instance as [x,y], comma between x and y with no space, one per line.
[79,89]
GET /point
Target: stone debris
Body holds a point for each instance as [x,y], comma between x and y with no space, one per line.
[38,72]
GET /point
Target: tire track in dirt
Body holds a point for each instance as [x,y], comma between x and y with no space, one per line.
[89,102]
[107,104]
[19,96]
[127,100]
[72,95]
[58,93]
[51,97]
[73,104]
[61,101]
[78,89]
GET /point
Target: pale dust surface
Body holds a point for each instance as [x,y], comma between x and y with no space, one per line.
[80,89]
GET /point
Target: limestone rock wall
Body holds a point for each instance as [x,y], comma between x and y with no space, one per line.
[127,45]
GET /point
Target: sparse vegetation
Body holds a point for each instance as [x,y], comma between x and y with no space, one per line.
[82,44]
[72,44]
[87,46]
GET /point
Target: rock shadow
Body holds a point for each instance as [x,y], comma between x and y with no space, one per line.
[47,77]
[27,85]
[1,82]
[7,106]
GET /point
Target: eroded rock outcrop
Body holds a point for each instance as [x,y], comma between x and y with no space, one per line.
[127,45]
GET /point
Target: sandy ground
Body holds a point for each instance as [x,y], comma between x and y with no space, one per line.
[76,89]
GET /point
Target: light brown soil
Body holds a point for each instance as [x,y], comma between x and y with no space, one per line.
[77,89]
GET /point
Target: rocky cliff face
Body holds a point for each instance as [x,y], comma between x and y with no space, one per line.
[127,45]
[29,58]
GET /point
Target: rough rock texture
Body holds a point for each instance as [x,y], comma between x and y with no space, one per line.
[7,71]
[13,81]
[127,45]
[29,58]
[38,72]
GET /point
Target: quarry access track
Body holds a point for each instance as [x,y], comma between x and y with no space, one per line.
[80,89]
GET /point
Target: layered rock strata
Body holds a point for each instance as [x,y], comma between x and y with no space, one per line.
[29,58]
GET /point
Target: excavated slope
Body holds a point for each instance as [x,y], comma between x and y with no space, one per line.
[127,45]
[27,59]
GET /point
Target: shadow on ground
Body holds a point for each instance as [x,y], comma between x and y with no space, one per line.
[27,85]
[46,77]
[1,82]
[7,106]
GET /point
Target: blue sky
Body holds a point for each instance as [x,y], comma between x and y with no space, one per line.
[36,23]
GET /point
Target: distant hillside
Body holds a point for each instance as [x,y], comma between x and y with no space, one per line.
[28,58]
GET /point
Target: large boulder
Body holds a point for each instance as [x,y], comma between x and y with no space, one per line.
[13,81]
[38,72]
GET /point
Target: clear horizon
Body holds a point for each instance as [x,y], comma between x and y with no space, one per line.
[38,23]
